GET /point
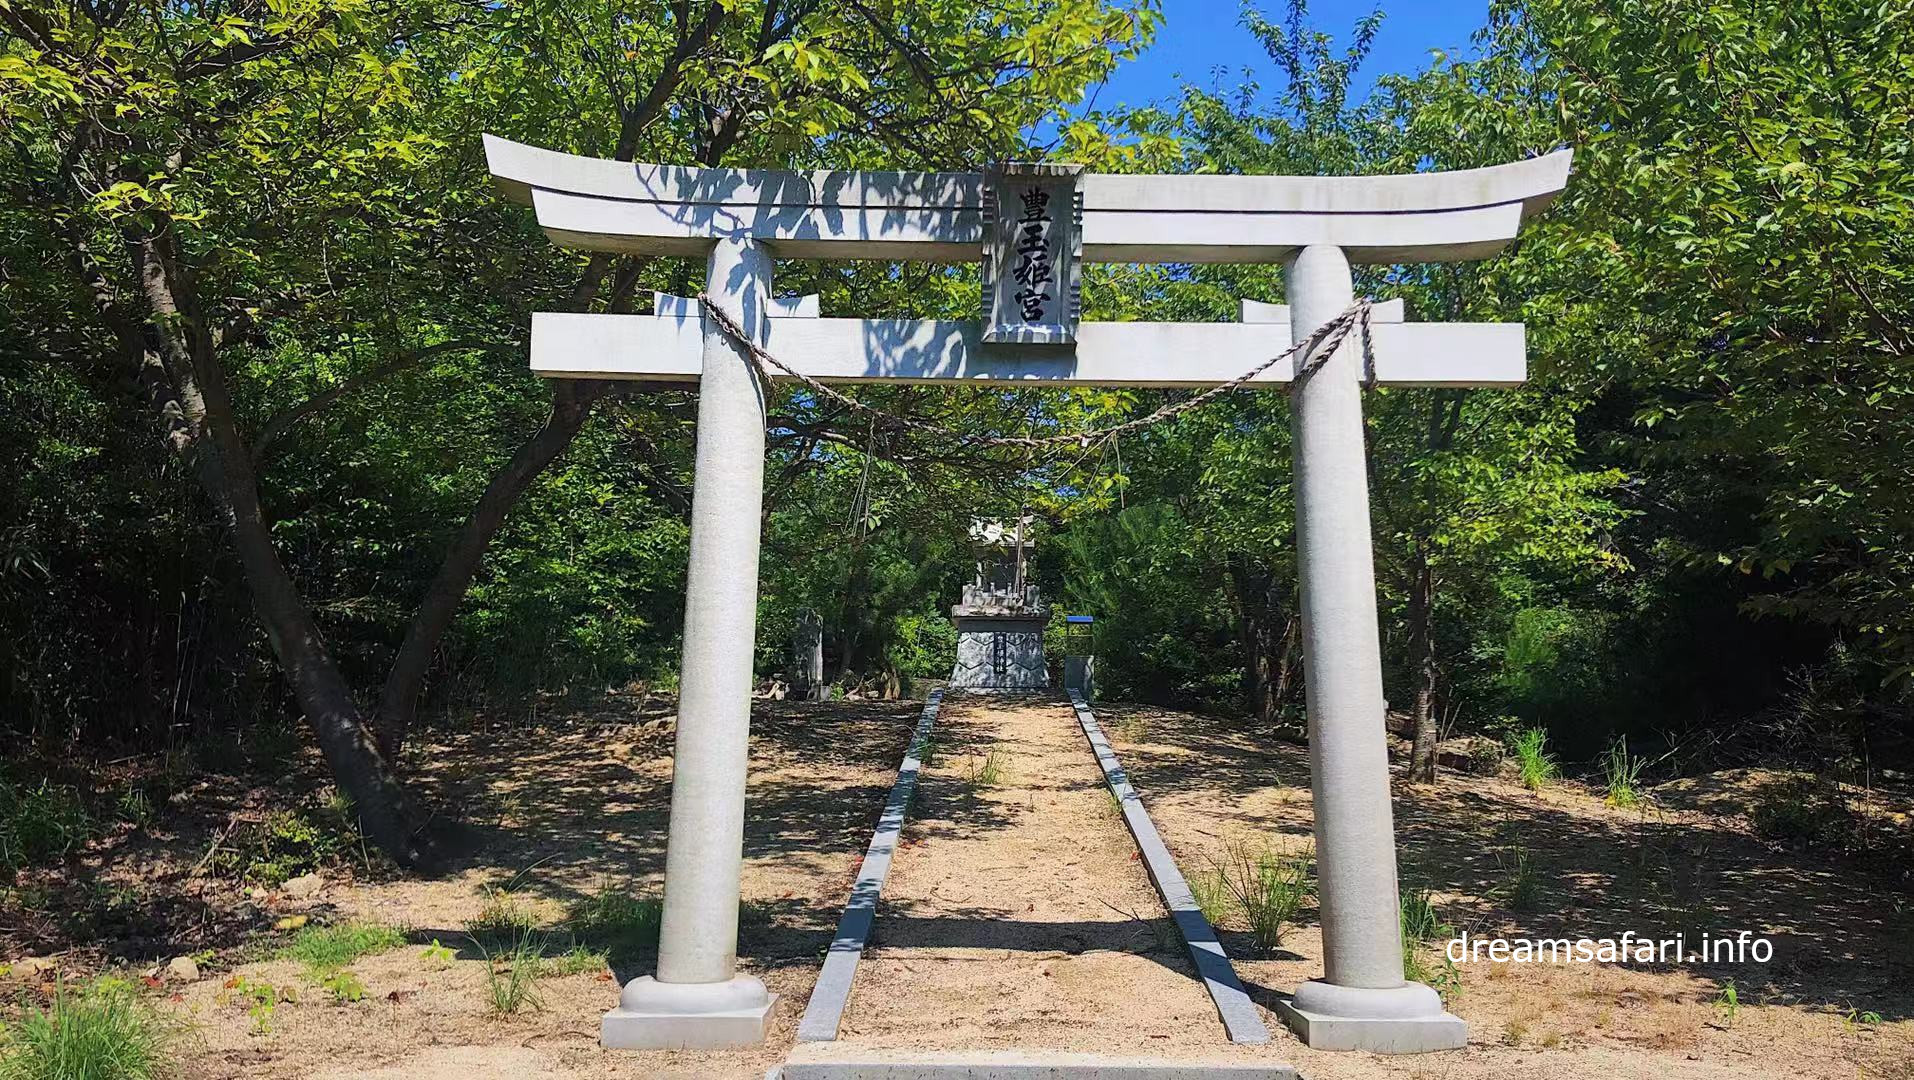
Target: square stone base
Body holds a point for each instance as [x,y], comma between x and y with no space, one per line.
[1420,1035]
[626,1029]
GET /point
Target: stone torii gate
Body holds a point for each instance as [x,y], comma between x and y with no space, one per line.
[1032,226]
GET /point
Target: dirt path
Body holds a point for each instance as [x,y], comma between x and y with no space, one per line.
[1017,913]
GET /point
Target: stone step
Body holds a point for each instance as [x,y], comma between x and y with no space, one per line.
[1018,1065]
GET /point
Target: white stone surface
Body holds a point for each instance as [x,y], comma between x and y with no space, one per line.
[1140,354]
[697,998]
[1419,217]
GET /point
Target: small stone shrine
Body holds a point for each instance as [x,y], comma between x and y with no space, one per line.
[1000,622]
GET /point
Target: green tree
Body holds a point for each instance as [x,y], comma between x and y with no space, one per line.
[219,195]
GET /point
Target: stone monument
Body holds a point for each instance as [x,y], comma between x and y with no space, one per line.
[1001,620]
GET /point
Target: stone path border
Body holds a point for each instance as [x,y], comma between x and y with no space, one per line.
[826,1010]
[1206,951]
[1025,1065]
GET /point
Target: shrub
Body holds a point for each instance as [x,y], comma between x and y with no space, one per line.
[40,824]
[1532,759]
[1268,888]
[328,948]
[283,844]
[106,1033]
[1802,809]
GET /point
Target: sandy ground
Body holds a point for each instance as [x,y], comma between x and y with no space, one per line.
[1017,913]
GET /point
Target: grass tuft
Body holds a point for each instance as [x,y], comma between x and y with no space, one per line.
[40,824]
[577,960]
[1422,931]
[105,1033]
[1269,889]
[503,917]
[1621,776]
[620,922]
[326,949]
[511,974]
[1212,896]
[1532,760]
[987,771]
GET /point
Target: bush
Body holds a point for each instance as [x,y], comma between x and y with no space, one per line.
[40,824]
[106,1033]
[284,844]
[1803,809]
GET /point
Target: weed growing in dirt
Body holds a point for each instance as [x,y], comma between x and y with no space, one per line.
[1422,932]
[1112,802]
[325,949]
[40,824]
[987,771]
[1268,888]
[261,999]
[134,806]
[105,1032]
[343,987]
[1621,775]
[511,974]
[502,917]
[1524,888]
[436,955]
[1728,1003]
[1533,762]
[576,960]
[619,922]
[1212,895]
[927,751]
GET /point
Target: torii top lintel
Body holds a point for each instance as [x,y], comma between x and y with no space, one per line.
[603,205]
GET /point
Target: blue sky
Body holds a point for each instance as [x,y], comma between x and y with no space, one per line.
[1198,37]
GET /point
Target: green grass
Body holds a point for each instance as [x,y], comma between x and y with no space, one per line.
[1268,888]
[326,949]
[1524,889]
[105,1033]
[576,960]
[511,974]
[502,917]
[1621,776]
[40,824]
[1212,896]
[622,922]
[1532,759]
[1423,931]
[987,771]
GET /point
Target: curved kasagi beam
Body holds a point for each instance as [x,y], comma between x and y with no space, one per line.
[603,205]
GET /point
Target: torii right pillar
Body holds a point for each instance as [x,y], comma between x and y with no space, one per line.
[1362,1002]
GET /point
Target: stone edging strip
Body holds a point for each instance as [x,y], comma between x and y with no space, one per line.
[826,1010]
[1206,951]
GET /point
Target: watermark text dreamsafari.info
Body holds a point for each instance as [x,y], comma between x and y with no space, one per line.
[1738,948]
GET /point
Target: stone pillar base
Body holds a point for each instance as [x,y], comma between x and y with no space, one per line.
[1407,1019]
[688,1016]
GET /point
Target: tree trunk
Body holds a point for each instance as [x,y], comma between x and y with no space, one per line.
[224,465]
[1266,631]
[399,700]
[1422,665]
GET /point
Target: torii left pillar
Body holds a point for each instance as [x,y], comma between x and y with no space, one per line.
[698,999]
